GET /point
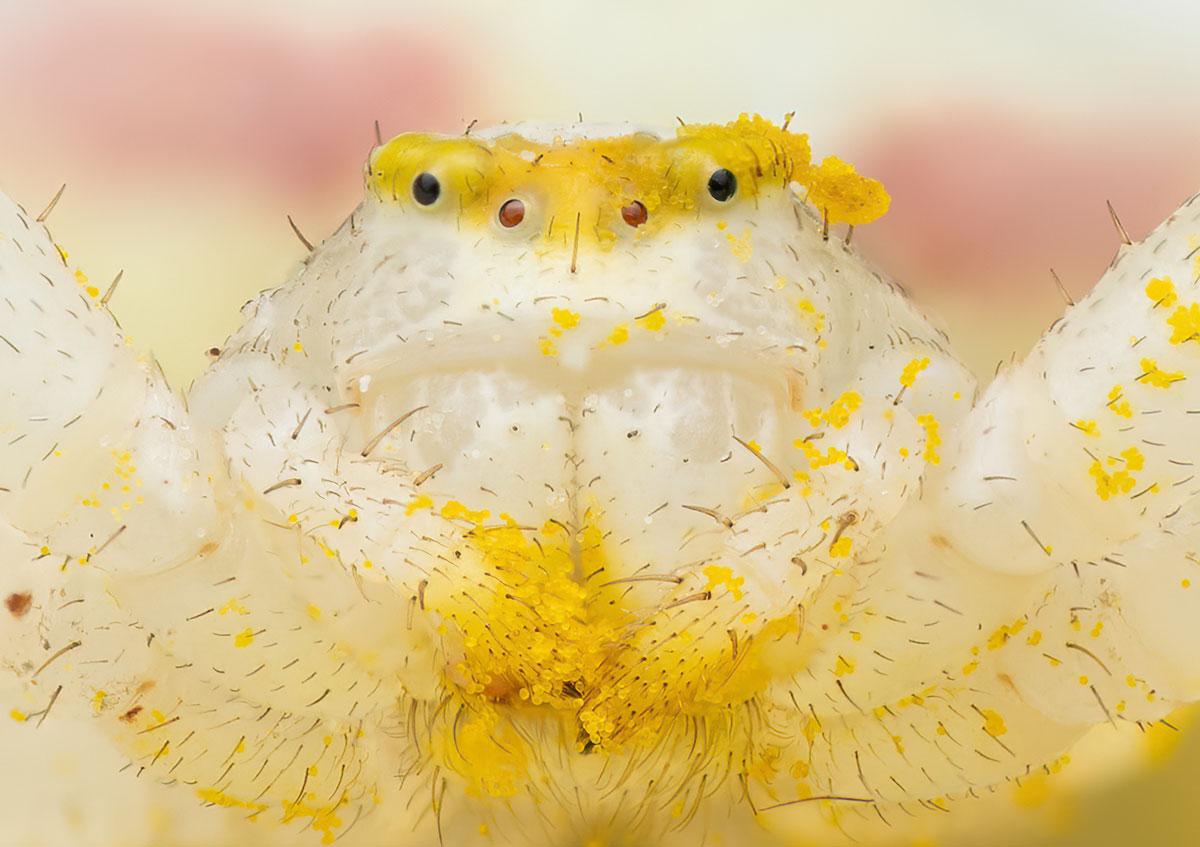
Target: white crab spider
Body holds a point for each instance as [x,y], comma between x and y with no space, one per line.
[582,487]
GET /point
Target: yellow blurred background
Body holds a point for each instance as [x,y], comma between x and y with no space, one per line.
[187,132]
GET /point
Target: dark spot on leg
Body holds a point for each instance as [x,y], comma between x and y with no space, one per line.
[129,716]
[19,604]
[941,542]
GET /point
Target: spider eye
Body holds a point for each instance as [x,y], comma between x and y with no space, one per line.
[511,213]
[722,184]
[426,188]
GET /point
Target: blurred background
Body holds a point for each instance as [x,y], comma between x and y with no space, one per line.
[187,132]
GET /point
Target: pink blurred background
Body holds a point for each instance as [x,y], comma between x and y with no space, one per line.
[187,132]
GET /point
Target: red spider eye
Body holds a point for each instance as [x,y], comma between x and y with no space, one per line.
[511,213]
[635,213]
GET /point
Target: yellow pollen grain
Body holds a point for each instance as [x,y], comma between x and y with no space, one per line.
[1155,376]
[741,248]
[1185,323]
[565,318]
[840,548]
[313,612]
[1088,428]
[1119,406]
[244,638]
[808,310]
[993,724]
[719,575]
[1006,631]
[843,666]
[843,195]
[1161,291]
[232,605]
[842,408]
[454,510]
[421,501]
[1110,485]
[653,321]
[932,438]
[908,376]
[619,335]
[1133,458]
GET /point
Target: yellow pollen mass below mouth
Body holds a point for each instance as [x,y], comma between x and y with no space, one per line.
[575,188]
[549,636]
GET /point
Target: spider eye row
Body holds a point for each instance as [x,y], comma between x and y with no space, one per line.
[722,186]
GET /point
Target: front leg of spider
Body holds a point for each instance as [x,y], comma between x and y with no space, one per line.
[1078,464]
[142,595]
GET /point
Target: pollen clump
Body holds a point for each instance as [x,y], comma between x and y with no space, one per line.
[807,308]
[909,375]
[1153,375]
[619,335]
[1001,636]
[654,321]
[1161,292]
[720,576]
[840,548]
[842,408]
[844,196]
[1088,428]
[1117,404]
[933,438]
[421,501]
[1185,323]
[993,724]
[565,318]
[1110,485]
[532,632]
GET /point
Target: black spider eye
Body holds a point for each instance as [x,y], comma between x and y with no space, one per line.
[722,184]
[426,188]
